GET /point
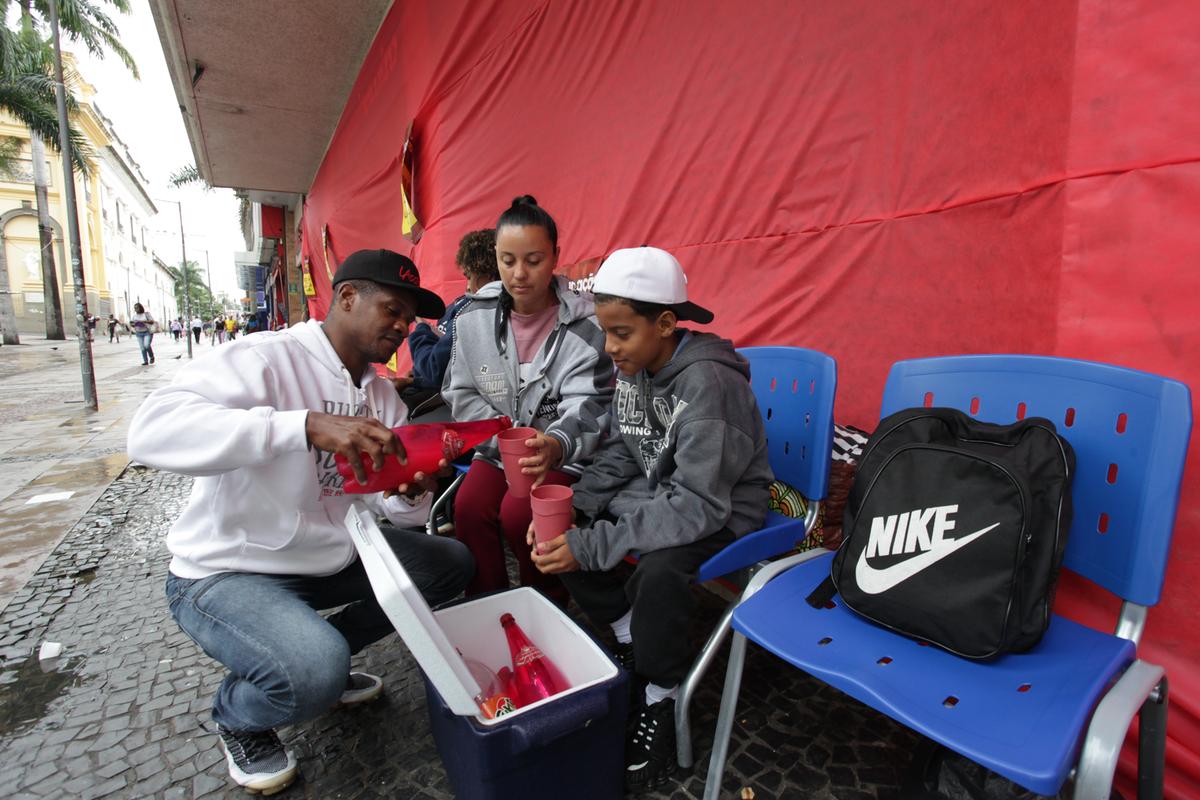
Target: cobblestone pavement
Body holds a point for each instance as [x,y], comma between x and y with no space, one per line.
[123,712]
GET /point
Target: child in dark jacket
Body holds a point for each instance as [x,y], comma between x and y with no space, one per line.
[431,348]
[683,472]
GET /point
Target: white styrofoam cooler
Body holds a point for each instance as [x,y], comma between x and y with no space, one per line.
[474,628]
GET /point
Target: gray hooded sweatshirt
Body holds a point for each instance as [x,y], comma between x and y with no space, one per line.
[686,457]
[567,395]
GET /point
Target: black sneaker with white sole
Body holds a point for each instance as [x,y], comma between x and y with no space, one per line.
[650,750]
[257,760]
[361,688]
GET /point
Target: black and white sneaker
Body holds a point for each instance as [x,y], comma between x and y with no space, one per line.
[257,760]
[361,688]
[650,751]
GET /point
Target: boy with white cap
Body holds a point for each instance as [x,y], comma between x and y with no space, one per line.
[683,472]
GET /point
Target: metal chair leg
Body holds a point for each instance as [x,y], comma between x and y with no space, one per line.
[1110,722]
[440,503]
[1152,743]
[733,685]
[683,703]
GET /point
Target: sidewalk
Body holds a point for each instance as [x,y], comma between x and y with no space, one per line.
[56,456]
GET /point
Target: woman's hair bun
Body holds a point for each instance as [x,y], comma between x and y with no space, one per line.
[525,211]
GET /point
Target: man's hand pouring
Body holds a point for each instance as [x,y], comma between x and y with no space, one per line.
[350,437]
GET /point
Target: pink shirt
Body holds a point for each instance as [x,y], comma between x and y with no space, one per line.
[531,330]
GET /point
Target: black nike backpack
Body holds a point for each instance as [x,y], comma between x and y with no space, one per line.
[955,530]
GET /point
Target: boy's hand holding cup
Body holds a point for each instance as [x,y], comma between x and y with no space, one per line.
[553,513]
[547,532]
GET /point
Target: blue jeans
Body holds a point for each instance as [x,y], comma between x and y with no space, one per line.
[144,339]
[286,662]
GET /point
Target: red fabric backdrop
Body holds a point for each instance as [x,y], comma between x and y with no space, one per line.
[876,180]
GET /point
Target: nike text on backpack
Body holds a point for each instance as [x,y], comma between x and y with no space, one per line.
[955,530]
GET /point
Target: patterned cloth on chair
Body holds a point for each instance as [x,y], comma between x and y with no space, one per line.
[785,500]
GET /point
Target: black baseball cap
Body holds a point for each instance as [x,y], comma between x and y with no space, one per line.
[388,268]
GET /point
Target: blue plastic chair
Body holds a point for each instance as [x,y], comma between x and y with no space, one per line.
[1028,717]
[794,389]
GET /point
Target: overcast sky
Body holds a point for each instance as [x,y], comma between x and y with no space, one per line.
[146,116]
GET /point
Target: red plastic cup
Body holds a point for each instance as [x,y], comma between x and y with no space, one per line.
[551,511]
[512,449]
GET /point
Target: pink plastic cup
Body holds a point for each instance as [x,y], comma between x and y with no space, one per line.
[551,511]
[512,449]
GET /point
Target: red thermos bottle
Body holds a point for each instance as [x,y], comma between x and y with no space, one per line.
[424,446]
[534,676]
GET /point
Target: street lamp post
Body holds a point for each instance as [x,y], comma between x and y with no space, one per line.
[187,288]
[64,141]
[208,270]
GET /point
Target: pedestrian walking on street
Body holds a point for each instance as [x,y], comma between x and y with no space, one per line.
[231,327]
[197,326]
[143,328]
[219,329]
[261,546]
[176,329]
[114,329]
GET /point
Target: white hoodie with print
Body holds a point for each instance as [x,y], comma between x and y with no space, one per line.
[263,500]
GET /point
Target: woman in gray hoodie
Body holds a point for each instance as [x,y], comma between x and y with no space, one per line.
[529,348]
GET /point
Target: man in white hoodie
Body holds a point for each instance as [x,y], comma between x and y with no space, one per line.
[261,545]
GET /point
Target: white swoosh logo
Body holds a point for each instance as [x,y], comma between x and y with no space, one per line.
[875,581]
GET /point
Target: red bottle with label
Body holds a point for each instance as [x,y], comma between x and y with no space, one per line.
[533,676]
[425,445]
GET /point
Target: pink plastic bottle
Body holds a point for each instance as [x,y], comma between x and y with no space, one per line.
[534,676]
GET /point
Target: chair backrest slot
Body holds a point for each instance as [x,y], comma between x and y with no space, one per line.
[799,425]
[1111,416]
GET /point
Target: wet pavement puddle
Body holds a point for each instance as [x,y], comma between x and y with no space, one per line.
[28,688]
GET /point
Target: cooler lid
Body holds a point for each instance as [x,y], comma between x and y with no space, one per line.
[411,615]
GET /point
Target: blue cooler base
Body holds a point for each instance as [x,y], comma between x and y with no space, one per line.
[570,748]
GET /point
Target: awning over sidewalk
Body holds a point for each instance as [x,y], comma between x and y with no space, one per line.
[261,85]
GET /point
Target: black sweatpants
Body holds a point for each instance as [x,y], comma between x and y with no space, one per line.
[660,594]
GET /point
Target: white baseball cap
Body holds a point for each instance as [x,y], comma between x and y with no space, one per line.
[650,275]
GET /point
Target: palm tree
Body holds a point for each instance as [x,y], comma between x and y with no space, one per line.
[79,21]
[201,297]
[27,92]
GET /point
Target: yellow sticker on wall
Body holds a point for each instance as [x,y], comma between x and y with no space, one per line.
[409,220]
